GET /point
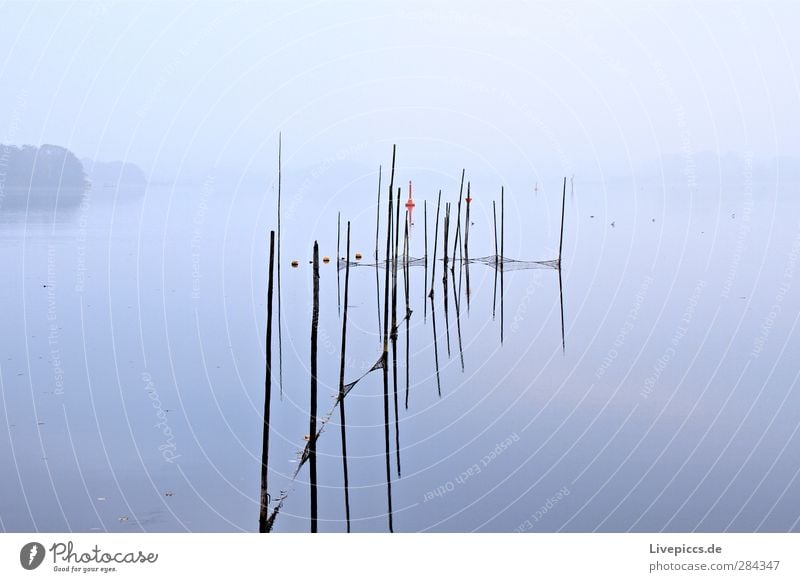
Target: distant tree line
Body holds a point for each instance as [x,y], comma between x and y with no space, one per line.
[45,167]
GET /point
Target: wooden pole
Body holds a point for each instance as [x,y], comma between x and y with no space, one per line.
[458,220]
[280,323]
[263,512]
[446,236]
[563,204]
[502,225]
[312,422]
[496,257]
[466,228]
[385,358]
[377,233]
[466,247]
[502,258]
[435,242]
[394,333]
[425,278]
[444,277]
[343,422]
[408,308]
[494,214]
[378,217]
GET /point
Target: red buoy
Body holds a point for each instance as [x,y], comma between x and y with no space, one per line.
[410,203]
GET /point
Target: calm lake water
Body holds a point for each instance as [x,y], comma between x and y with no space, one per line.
[132,372]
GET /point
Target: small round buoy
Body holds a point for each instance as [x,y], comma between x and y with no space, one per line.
[295,263]
[326,259]
[358,256]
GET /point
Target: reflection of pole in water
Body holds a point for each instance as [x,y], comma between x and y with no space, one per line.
[262,516]
[435,348]
[343,423]
[312,422]
[394,332]
[457,303]
[561,298]
[385,358]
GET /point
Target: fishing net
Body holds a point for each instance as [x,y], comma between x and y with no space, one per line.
[401,263]
[495,261]
[499,262]
[304,454]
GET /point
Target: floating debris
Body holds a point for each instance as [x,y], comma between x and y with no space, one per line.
[101,498]
[326,259]
[123,518]
[295,263]
[359,256]
[168,493]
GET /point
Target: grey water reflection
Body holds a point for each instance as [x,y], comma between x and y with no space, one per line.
[646,385]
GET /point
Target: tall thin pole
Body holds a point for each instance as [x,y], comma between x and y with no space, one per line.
[435,242]
[312,423]
[378,217]
[394,333]
[560,245]
[563,204]
[377,233]
[408,308]
[262,516]
[502,224]
[343,422]
[458,219]
[466,247]
[496,257]
[280,324]
[494,214]
[502,258]
[446,236]
[444,277]
[385,358]
[425,278]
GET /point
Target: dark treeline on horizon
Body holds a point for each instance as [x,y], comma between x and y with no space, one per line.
[45,167]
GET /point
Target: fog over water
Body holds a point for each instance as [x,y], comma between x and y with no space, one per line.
[132,358]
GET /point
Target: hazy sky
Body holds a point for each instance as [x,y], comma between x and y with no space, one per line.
[176,86]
